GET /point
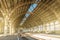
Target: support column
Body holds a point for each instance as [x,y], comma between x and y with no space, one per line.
[11,29]
[6,27]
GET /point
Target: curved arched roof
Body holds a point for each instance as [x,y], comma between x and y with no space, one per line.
[46,11]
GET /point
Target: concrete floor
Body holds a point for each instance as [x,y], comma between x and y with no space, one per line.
[45,36]
[14,37]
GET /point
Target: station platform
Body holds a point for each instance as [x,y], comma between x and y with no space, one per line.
[40,36]
[31,36]
[15,37]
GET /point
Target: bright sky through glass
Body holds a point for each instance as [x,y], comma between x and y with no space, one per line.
[27,14]
[32,7]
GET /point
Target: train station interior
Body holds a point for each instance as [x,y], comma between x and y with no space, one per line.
[29,19]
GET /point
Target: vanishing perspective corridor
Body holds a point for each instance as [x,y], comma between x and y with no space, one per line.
[29,19]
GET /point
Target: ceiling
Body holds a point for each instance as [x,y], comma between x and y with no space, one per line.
[46,11]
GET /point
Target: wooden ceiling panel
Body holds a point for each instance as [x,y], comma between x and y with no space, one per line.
[16,9]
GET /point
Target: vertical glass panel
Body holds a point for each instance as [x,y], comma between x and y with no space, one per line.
[41,28]
[57,22]
[52,23]
[57,27]
[48,27]
[52,27]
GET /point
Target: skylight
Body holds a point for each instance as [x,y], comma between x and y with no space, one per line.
[32,7]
